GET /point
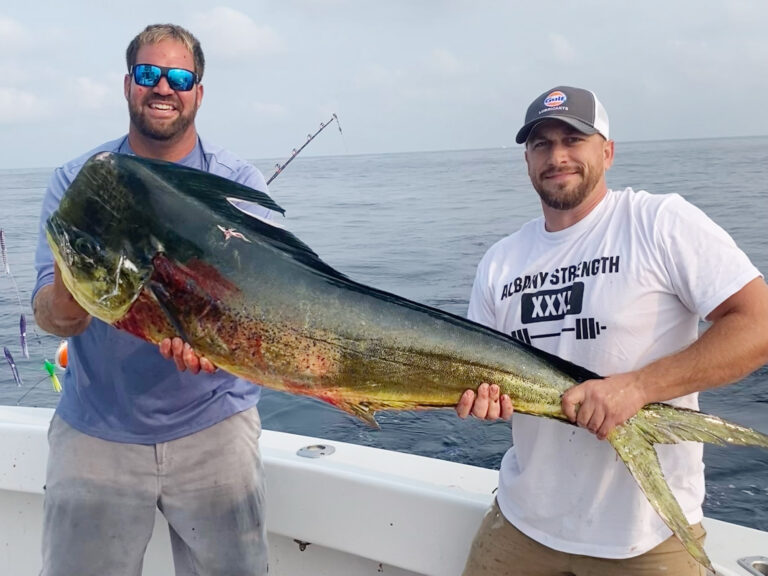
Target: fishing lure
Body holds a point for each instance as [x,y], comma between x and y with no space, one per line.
[51,369]
[23,335]
[4,252]
[22,317]
[12,364]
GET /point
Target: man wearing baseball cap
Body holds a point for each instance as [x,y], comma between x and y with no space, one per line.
[615,281]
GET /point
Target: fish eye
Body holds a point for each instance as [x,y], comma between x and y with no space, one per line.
[85,247]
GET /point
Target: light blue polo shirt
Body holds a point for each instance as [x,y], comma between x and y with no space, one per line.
[118,387]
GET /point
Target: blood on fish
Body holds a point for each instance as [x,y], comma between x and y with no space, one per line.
[145,318]
[177,276]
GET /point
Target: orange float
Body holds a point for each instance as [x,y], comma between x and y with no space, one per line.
[61,355]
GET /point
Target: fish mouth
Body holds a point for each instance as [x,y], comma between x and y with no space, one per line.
[104,281]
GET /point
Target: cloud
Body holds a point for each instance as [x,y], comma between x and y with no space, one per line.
[561,48]
[15,73]
[265,110]
[94,95]
[444,62]
[19,106]
[415,78]
[437,77]
[13,35]
[378,76]
[232,34]
[745,13]
[323,3]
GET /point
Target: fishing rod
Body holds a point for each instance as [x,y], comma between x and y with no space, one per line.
[295,152]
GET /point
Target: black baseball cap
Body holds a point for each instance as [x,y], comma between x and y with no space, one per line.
[575,106]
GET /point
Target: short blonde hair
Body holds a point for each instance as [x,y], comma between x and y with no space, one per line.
[155,33]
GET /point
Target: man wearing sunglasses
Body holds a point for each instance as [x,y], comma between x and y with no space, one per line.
[133,431]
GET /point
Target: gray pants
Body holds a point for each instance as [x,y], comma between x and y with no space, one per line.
[101,499]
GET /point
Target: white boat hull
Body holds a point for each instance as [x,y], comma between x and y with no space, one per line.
[357,511]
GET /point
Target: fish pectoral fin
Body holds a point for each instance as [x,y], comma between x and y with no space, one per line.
[367,409]
[162,297]
[364,411]
[635,448]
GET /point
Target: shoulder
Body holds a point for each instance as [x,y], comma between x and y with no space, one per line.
[513,245]
[672,212]
[523,235]
[655,213]
[227,164]
[72,167]
[644,201]
[63,175]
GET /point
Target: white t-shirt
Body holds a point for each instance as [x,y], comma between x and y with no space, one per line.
[621,288]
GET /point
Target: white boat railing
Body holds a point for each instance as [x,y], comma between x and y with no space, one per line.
[333,509]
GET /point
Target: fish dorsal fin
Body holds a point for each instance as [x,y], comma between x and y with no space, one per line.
[217,194]
[634,446]
[205,186]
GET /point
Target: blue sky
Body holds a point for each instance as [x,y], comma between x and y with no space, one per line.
[401,75]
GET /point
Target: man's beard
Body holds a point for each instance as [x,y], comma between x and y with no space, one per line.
[155,130]
[562,197]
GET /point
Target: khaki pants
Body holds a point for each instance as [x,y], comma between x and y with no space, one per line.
[500,549]
[101,500]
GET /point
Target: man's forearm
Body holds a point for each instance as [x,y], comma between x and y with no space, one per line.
[59,314]
[734,346]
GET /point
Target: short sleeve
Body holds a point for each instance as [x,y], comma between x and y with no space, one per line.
[704,264]
[58,184]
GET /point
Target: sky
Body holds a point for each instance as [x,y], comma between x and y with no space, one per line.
[401,75]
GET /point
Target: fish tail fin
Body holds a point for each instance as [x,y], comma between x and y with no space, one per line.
[634,446]
[667,424]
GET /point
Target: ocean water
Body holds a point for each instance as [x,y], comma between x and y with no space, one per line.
[416,224]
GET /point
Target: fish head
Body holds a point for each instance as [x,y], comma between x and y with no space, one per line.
[99,243]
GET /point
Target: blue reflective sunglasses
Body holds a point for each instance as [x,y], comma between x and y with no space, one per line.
[149,75]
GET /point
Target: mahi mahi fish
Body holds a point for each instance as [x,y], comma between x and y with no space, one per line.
[160,250]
